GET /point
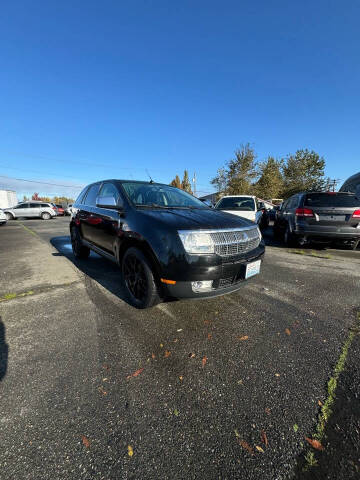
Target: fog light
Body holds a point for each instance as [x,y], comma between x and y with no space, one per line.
[201,286]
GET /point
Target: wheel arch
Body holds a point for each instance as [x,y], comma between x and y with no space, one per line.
[121,247]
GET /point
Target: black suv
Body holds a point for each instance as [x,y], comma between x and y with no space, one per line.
[331,217]
[167,242]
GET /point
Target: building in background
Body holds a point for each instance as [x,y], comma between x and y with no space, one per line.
[8,198]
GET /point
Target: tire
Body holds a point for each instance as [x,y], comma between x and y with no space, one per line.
[45,216]
[138,278]
[289,238]
[356,244]
[79,250]
[9,216]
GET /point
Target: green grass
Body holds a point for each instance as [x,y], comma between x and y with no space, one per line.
[11,296]
[326,409]
[309,253]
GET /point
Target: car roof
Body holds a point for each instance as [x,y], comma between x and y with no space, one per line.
[235,196]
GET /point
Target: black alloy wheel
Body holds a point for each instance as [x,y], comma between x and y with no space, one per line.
[139,279]
[79,250]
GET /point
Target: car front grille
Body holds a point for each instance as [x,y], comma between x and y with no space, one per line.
[237,242]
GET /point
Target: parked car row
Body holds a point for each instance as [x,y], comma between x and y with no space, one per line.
[34,209]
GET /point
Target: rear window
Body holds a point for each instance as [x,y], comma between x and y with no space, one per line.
[237,203]
[331,200]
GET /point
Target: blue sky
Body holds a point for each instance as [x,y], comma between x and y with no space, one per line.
[104,89]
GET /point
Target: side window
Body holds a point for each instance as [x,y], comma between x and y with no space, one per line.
[109,190]
[22,205]
[284,206]
[35,205]
[91,195]
[45,205]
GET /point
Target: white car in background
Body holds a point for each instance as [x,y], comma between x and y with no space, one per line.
[3,218]
[245,206]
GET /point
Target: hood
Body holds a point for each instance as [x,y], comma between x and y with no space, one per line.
[243,214]
[196,219]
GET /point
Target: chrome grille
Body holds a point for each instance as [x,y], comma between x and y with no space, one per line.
[235,242]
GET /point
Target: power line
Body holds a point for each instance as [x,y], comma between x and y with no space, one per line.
[42,183]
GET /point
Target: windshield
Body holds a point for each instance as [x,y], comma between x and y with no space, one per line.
[331,200]
[163,196]
[236,203]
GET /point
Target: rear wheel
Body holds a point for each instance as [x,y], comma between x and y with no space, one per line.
[45,216]
[79,250]
[9,216]
[139,280]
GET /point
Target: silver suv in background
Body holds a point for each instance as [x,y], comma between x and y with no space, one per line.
[33,209]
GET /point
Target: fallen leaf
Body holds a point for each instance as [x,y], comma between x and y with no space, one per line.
[192,355]
[209,336]
[204,360]
[246,446]
[105,379]
[296,427]
[259,449]
[239,382]
[181,378]
[106,366]
[237,434]
[264,438]
[267,410]
[287,331]
[179,330]
[135,374]
[320,403]
[161,345]
[277,374]
[176,412]
[153,356]
[130,451]
[85,441]
[206,322]
[175,340]
[314,443]
[167,354]
[245,337]
[101,390]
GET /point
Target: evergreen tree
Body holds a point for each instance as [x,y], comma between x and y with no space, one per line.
[185,184]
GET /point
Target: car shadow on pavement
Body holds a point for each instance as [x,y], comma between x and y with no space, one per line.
[4,351]
[103,271]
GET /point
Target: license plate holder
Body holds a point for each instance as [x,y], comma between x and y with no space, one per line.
[252,268]
[332,218]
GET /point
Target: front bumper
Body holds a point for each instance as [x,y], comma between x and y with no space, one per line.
[226,278]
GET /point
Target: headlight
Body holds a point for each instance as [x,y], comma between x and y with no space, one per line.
[197,242]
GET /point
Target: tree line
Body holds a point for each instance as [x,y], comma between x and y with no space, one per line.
[56,200]
[271,178]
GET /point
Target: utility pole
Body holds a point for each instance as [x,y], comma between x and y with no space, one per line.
[194,183]
[332,184]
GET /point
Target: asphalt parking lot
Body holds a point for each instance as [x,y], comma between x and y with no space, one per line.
[224,388]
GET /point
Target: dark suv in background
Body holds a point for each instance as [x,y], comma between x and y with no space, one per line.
[167,242]
[331,217]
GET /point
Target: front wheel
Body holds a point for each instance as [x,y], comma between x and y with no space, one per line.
[9,216]
[139,280]
[79,250]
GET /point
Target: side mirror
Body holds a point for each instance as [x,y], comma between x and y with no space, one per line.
[108,202]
